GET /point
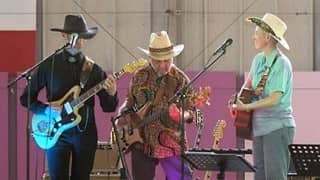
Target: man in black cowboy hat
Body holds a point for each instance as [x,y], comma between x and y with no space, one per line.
[69,71]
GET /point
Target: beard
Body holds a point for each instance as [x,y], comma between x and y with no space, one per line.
[161,71]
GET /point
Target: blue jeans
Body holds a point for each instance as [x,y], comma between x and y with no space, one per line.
[271,154]
[143,167]
[81,146]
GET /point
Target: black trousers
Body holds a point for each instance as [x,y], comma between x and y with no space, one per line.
[81,146]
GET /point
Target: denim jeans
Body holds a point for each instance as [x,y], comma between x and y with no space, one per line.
[271,154]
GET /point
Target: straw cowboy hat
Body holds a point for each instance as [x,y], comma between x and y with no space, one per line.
[161,48]
[77,24]
[273,25]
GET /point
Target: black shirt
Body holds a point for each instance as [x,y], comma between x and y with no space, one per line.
[58,75]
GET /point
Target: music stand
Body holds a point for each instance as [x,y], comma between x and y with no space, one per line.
[306,159]
[210,161]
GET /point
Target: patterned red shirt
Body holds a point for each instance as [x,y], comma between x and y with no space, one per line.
[161,136]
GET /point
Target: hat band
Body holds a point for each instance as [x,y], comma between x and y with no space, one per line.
[161,50]
[159,54]
[263,26]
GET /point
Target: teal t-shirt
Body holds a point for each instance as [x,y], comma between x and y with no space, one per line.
[280,79]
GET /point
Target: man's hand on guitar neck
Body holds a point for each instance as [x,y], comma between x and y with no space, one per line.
[110,85]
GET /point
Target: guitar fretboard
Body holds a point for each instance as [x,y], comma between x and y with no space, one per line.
[199,124]
[151,118]
[94,90]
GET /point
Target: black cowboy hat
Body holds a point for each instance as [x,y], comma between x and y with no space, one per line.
[77,24]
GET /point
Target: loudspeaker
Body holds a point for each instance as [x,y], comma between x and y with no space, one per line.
[105,158]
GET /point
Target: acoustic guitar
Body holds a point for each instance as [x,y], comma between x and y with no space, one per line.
[243,119]
[217,136]
[46,129]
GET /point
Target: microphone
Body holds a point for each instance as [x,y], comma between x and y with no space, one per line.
[225,44]
[73,39]
[72,50]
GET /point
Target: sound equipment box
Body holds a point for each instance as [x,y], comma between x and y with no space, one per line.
[106,157]
[110,174]
[106,163]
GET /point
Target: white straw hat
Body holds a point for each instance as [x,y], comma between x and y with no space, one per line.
[161,48]
[273,25]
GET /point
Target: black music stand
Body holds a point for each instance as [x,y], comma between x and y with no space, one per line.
[210,161]
[306,159]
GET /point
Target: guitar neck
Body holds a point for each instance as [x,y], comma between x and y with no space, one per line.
[199,124]
[150,118]
[198,138]
[216,143]
[92,91]
[208,174]
[204,94]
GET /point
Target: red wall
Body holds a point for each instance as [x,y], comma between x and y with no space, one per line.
[18,50]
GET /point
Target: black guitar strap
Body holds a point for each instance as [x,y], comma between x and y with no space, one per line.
[86,71]
[84,76]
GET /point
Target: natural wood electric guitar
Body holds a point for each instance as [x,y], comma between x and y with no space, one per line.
[217,136]
[46,129]
[130,133]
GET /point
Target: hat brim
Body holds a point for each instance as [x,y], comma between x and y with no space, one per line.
[90,33]
[281,40]
[175,52]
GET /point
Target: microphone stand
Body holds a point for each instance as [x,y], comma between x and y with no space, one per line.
[124,172]
[27,75]
[181,95]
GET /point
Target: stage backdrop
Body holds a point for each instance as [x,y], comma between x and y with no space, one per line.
[306,93]
[221,83]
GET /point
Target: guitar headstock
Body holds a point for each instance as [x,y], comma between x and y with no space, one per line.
[133,66]
[218,131]
[201,97]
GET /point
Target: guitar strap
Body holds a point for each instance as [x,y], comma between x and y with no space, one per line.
[160,91]
[84,76]
[145,109]
[264,78]
[86,71]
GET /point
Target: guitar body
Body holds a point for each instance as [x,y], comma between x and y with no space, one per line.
[243,119]
[46,129]
[128,137]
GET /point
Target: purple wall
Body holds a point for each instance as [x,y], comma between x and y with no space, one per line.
[36,155]
[222,85]
[4,163]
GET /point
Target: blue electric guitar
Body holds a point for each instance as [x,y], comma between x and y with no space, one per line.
[46,129]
